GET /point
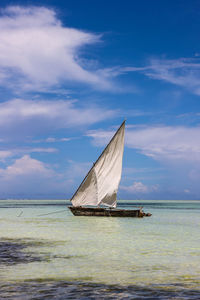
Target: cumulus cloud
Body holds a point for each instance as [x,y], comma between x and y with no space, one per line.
[22,117]
[25,166]
[28,177]
[37,50]
[183,72]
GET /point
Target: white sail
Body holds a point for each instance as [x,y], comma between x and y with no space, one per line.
[101,183]
[87,192]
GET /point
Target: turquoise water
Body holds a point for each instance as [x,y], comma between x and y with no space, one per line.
[161,252]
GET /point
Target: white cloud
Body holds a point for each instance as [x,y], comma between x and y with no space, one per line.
[39,150]
[100,137]
[167,143]
[28,177]
[4,154]
[164,143]
[64,139]
[184,72]
[176,148]
[37,50]
[50,140]
[54,140]
[139,188]
[22,118]
[25,166]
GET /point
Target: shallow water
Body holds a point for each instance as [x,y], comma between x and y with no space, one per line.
[66,257]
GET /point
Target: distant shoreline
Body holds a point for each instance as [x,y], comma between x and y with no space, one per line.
[57,201]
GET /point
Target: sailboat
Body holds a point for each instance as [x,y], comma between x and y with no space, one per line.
[100,185]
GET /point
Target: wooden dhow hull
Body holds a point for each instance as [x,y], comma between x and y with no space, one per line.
[107,212]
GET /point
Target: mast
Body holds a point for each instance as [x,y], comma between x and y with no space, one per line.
[97,160]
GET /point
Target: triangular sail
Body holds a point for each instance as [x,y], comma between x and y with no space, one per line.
[87,192]
[101,183]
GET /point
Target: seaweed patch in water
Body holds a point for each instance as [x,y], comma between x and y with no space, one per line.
[11,253]
[62,290]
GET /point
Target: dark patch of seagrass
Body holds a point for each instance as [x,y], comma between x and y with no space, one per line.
[62,290]
[12,253]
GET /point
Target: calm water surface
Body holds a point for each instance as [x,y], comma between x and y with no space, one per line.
[59,256]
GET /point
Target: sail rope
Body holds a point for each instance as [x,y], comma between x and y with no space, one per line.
[54,212]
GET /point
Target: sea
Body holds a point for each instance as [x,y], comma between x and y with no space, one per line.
[47,253]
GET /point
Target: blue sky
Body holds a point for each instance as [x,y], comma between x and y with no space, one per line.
[71,71]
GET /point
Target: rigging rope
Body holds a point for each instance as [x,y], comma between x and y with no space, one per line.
[55,212]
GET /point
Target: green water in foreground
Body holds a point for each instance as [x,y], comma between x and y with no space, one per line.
[160,250]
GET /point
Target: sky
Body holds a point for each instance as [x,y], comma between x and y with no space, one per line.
[72,71]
